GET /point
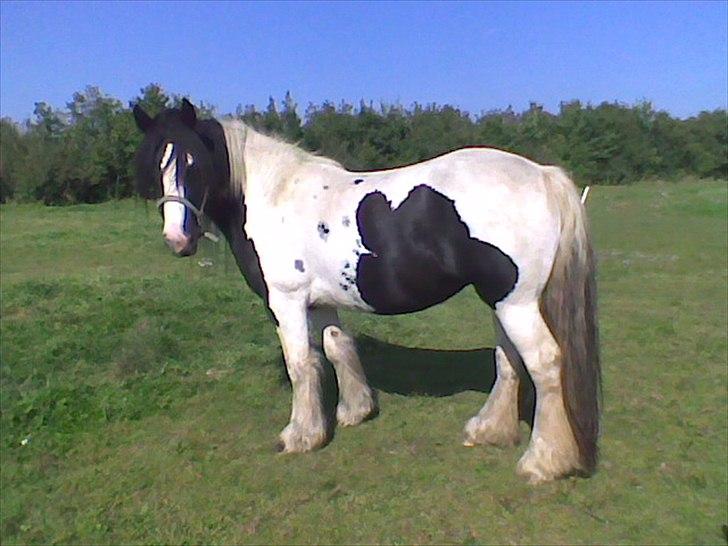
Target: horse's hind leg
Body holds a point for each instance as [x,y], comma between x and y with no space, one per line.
[497,421]
[553,451]
[357,401]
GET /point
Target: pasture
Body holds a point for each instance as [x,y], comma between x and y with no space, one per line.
[142,395]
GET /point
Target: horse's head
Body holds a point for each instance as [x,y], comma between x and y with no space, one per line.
[175,161]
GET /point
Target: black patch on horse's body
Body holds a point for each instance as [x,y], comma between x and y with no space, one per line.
[298,264]
[358,181]
[323,230]
[421,253]
[345,221]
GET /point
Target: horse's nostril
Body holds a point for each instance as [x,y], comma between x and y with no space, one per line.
[176,242]
[172,245]
[182,246]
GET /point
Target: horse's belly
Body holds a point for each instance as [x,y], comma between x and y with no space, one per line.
[392,289]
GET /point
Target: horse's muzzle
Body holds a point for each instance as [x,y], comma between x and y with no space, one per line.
[182,246]
[188,250]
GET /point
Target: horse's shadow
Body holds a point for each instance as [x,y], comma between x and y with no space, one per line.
[410,371]
[413,371]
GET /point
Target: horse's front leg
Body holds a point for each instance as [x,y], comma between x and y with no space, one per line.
[307,428]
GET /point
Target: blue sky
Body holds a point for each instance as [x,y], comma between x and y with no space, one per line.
[475,55]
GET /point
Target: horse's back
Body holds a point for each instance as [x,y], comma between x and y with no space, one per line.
[502,198]
[466,170]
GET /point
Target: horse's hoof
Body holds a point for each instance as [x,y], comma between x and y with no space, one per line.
[366,409]
[542,463]
[533,474]
[486,432]
[295,439]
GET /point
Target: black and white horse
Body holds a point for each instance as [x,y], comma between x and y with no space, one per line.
[311,237]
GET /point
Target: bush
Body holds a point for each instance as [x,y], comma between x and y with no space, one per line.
[85,152]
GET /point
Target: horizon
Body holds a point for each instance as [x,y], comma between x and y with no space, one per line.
[476,57]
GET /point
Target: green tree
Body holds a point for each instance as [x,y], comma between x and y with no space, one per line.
[41,144]
[204,109]
[272,122]
[377,142]
[152,99]
[536,134]
[332,133]
[48,120]
[291,123]
[85,153]
[12,157]
[434,130]
[497,129]
[708,144]
[250,116]
[92,169]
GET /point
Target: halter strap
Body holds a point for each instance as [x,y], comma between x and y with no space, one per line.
[199,213]
[186,202]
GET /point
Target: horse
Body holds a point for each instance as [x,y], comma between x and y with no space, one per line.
[311,237]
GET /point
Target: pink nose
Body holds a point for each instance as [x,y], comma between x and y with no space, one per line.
[176,241]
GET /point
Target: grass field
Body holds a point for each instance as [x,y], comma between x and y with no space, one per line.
[142,396]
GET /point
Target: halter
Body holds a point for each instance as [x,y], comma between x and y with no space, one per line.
[199,213]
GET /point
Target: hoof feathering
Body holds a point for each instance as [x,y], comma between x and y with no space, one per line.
[487,432]
[542,463]
[348,416]
[294,439]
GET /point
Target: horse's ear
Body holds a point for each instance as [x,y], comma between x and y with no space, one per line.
[143,121]
[188,114]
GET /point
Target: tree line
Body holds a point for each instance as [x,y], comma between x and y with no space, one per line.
[84,153]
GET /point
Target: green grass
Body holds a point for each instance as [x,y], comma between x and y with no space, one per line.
[142,396]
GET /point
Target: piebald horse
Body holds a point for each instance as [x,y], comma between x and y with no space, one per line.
[311,237]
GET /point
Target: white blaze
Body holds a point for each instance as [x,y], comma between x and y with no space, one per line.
[174,213]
